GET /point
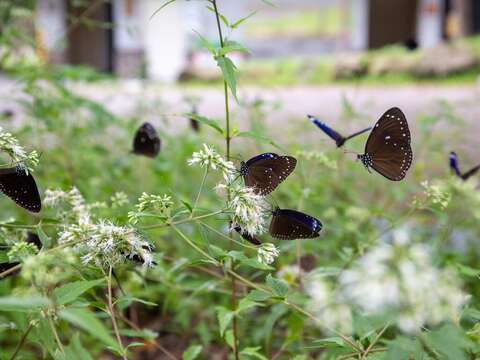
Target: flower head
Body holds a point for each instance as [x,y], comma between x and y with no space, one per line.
[267,253]
[210,159]
[18,154]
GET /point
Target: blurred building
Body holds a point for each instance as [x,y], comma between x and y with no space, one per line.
[425,23]
[122,37]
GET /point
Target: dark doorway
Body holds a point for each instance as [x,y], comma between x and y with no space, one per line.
[90,40]
[392,22]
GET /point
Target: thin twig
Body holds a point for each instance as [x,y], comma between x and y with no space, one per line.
[112,314]
[372,344]
[22,341]
[55,334]
[199,192]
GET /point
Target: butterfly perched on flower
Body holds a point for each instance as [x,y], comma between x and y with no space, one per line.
[456,169]
[289,224]
[146,141]
[20,186]
[388,149]
[339,139]
[266,171]
[246,236]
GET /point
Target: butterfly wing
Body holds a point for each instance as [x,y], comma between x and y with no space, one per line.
[453,160]
[470,172]
[246,236]
[265,172]
[388,145]
[339,139]
[357,133]
[146,141]
[291,224]
[19,185]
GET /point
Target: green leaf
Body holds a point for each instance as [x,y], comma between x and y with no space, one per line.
[258,295]
[143,333]
[13,303]
[76,351]
[448,341]
[259,138]
[245,304]
[403,348]
[220,15]
[224,317]
[228,70]
[192,352]
[207,44]
[88,322]
[229,338]
[70,292]
[187,205]
[278,287]
[253,352]
[253,263]
[204,120]
[468,271]
[160,8]
[331,342]
[3,257]
[126,301]
[237,23]
[44,238]
[231,46]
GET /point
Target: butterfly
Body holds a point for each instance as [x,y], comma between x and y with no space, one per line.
[251,239]
[19,185]
[265,172]
[455,168]
[291,224]
[146,141]
[194,124]
[388,149]
[339,139]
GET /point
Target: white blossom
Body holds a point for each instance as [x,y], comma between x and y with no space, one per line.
[210,159]
[10,145]
[267,253]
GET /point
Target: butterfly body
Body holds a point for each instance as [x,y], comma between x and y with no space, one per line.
[266,171]
[453,159]
[388,149]
[334,135]
[289,224]
[146,141]
[19,185]
[246,236]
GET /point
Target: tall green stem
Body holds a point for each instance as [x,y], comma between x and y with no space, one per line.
[227,140]
[112,314]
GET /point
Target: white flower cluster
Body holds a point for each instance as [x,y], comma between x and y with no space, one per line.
[209,158]
[267,253]
[161,204]
[250,210]
[10,145]
[437,194]
[327,304]
[97,242]
[400,277]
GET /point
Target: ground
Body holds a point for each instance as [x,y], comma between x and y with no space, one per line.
[285,108]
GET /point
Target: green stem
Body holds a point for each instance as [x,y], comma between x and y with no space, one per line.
[55,334]
[112,314]
[199,192]
[195,246]
[183,221]
[22,341]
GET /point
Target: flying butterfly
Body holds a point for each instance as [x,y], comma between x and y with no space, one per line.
[266,171]
[339,139]
[246,236]
[146,141]
[456,169]
[194,124]
[19,185]
[291,224]
[388,149]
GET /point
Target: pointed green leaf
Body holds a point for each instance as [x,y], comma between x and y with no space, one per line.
[204,120]
[207,44]
[224,317]
[44,238]
[70,292]
[13,303]
[160,8]
[237,23]
[192,352]
[228,70]
[278,287]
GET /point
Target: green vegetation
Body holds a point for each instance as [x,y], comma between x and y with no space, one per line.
[393,276]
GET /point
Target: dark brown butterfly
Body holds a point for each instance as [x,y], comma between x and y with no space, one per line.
[308,262]
[265,172]
[388,149]
[456,169]
[194,124]
[246,236]
[146,141]
[339,139]
[19,185]
[289,224]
